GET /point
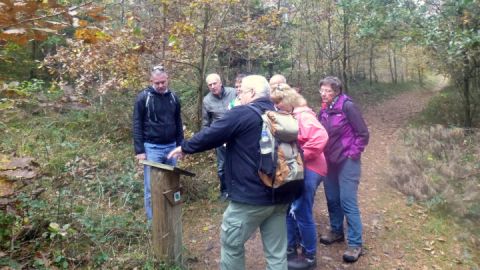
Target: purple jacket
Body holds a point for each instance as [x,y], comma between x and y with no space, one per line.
[347,132]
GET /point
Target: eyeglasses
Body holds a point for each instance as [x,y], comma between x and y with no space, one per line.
[159,68]
[325,90]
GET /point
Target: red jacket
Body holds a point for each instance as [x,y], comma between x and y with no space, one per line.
[312,138]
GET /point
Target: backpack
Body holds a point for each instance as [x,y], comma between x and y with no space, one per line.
[280,158]
[173,100]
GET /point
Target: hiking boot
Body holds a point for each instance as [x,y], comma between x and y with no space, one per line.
[291,253]
[351,254]
[331,238]
[303,263]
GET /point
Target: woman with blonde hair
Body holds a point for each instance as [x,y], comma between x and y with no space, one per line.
[312,138]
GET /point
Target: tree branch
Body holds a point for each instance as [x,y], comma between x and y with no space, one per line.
[46,16]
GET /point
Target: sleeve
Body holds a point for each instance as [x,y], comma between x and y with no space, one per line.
[178,122]
[215,135]
[205,115]
[313,134]
[360,129]
[138,123]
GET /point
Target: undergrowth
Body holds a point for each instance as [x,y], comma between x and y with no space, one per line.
[440,167]
[447,109]
[91,213]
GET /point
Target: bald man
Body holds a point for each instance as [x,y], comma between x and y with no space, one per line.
[276,80]
[215,104]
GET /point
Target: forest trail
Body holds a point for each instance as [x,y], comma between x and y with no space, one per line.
[397,235]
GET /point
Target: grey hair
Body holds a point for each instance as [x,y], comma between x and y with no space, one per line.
[333,82]
[158,70]
[213,76]
[258,83]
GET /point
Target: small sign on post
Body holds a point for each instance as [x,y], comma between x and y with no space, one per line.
[167,212]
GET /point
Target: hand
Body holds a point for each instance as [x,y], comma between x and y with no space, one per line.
[176,153]
[141,156]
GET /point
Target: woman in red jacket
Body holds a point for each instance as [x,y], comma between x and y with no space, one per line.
[312,138]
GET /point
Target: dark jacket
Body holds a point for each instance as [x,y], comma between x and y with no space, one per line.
[214,107]
[156,119]
[347,132]
[240,129]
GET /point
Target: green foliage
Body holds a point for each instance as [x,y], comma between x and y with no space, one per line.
[446,109]
[7,221]
[15,62]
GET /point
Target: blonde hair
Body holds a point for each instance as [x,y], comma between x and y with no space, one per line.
[286,94]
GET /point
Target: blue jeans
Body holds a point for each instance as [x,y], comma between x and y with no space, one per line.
[221,151]
[301,227]
[341,190]
[157,153]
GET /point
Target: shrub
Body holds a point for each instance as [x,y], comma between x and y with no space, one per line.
[440,166]
[446,108]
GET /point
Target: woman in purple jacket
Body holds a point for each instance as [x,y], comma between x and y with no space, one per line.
[348,136]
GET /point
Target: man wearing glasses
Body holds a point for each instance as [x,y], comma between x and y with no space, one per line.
[157,126]
[215,104]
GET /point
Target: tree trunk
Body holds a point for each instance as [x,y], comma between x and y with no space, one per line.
[395,72]
[371,64]
[330,43]
[420,75]
[203,68]
[390,66]
[345,53]
[466,102]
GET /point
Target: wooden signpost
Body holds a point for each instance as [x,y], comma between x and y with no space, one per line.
[167,212]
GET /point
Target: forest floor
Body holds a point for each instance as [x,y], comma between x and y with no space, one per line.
[397,234]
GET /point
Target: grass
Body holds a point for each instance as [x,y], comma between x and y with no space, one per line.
[446,109]
[93,186]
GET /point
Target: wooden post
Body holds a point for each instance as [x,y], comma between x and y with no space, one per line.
[167,212]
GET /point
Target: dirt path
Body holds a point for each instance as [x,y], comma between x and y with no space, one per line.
[396,235]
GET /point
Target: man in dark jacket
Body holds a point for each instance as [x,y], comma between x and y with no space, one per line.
[252,204]
[157,126]
[214,106]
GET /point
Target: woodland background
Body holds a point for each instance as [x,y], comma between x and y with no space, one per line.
[70,191]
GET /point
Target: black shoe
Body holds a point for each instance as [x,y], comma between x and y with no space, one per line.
[331,238]
[351,254]
[303,263]
[291,253]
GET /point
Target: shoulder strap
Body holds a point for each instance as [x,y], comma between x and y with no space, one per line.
[344,103]
[172,95]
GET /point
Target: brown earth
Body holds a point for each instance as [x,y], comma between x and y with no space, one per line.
[397,234]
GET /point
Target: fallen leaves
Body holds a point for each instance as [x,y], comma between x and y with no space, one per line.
[15,172]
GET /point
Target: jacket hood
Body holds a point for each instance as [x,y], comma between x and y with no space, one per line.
[263,103]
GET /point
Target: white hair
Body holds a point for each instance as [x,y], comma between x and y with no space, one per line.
[277,79]
[258,83]
[157,72]
[214,76]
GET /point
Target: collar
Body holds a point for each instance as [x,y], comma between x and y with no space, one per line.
[333,102]
[222,93]
[158,93]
